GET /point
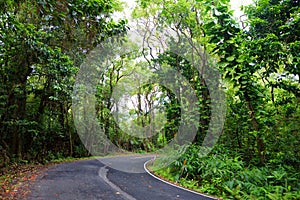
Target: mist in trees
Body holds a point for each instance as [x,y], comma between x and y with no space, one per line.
[244,77]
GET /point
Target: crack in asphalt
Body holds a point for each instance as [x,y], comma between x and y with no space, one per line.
[103,174]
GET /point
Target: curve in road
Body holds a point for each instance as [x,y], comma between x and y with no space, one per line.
[91,179]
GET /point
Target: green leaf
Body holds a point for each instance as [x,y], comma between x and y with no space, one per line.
[231,58]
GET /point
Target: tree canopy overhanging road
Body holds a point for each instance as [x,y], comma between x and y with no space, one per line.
[221,93]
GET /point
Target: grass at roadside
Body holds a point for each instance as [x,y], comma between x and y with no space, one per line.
[228,177]
[167,176]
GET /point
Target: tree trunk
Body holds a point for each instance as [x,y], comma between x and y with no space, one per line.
[259,141]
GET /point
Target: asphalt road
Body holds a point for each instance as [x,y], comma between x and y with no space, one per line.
[119,178]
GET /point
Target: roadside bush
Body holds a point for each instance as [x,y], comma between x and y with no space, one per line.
[227,176]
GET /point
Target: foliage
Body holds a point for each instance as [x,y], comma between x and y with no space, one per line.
[42,44]
[224,174]
[259,63]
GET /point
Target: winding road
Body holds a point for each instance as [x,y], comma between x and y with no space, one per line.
[99,179]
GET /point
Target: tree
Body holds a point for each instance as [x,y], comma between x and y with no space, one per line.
[257,60]
[42,46]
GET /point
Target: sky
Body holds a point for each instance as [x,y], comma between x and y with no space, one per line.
[235,5]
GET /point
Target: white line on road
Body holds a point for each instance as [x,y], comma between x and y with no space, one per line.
[145,167]
[102,173]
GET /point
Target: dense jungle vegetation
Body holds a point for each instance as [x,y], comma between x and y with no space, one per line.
[44,43]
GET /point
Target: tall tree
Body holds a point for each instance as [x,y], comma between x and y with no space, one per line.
[42,45]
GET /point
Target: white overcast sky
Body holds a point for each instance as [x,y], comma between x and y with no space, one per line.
[235,5]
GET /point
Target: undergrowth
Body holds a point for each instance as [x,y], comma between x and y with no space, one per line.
[225,175]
